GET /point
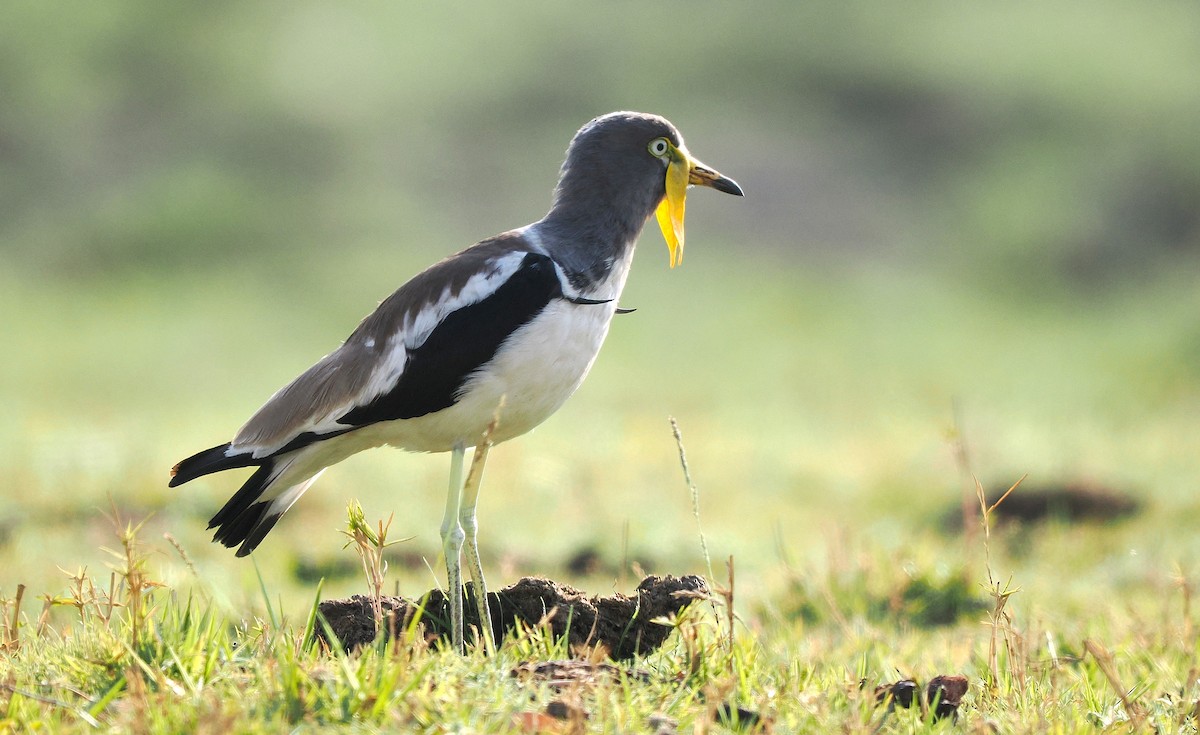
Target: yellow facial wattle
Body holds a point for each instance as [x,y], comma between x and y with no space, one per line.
[671,209]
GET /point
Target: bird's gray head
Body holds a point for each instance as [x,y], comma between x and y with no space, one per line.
[620,167]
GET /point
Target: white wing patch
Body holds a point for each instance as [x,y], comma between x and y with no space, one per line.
[418,325]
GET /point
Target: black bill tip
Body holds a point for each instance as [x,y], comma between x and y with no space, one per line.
[727,185]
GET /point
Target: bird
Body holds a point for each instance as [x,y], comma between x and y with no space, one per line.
[479,348]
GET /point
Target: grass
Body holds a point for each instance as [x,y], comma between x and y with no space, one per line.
[141,657]
[822,453]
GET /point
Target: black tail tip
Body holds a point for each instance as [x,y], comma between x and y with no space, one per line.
[214,459]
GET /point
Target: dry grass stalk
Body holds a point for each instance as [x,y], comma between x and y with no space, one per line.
[1108,667]
[695,493]
[182,554]
[1000,621]
[727,595]
[12,623]
[129,587]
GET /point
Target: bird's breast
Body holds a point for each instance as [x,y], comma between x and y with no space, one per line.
[539,366]
[535,370]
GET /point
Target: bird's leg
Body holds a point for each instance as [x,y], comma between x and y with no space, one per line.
[470,526]
[452,543]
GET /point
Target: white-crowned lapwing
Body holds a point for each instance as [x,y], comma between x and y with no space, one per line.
[515,320]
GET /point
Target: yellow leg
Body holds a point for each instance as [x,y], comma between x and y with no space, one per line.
[452,543]
[470,526]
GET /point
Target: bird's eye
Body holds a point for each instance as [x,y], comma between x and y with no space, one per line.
[658,147]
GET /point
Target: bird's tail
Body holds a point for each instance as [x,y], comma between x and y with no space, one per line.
[257,506]
[209,461]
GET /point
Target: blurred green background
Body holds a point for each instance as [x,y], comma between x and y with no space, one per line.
[994,207]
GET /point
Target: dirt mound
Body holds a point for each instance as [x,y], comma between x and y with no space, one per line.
[622,624]
[1069,502]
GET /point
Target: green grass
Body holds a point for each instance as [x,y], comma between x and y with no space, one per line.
[819,439]
[189,664]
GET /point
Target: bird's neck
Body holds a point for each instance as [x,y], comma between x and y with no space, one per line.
[594,247]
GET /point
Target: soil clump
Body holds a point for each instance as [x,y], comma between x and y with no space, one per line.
[621,624]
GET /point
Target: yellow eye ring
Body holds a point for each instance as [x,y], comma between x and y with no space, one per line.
[659,147]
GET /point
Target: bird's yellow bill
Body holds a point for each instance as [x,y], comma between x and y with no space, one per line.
[683,171]
[671,209]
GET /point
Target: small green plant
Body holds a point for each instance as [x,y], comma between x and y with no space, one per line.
[370,544]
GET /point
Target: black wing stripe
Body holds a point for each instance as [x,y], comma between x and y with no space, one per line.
[309,437]
[462,343]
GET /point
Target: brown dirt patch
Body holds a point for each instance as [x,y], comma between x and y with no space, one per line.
[620,623]
[1071,502]
[944,693]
